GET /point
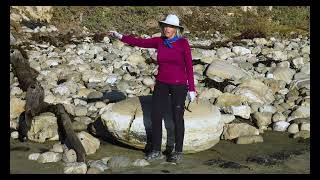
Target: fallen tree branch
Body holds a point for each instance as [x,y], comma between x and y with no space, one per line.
[35,104]
[69,137]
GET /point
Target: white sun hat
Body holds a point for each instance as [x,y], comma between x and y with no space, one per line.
[172,20]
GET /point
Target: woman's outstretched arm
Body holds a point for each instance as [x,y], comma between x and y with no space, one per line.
[141,42]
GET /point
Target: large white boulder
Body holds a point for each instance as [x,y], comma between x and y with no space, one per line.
[129,120]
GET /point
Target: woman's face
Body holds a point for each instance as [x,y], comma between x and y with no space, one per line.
[169,31]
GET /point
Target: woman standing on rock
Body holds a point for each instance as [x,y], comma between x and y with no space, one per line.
[175,77]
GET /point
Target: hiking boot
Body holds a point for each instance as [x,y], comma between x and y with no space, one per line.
[154,155]
[168,150]
[175,157]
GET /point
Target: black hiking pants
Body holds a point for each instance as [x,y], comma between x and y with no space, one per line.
[160,100]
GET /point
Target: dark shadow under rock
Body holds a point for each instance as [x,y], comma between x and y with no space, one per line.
[114,96]
[209,83]
[268,62]
[99,130]
[198,61]
[33,24]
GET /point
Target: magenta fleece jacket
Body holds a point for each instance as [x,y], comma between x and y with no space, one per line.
[175,64]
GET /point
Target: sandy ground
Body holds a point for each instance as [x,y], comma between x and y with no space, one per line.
[292,156]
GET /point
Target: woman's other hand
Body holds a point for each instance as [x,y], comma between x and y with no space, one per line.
[192,95]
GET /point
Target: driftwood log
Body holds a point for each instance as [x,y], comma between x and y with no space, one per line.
[35,104]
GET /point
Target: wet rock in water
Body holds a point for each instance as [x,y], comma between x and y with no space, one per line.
[118,162]
[280,126]
[33,156]
[48,157]
[69,156]
[234,130]
[99,164]
[43,127]
[293,128]
[75,168]
[90,143]
[249,139]
[140,162]
[302,134]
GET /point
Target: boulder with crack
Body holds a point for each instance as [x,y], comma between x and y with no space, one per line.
[129,120]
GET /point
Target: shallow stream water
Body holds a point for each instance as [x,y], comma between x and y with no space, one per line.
[279,154]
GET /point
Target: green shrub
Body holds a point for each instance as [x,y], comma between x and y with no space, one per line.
[201,21]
